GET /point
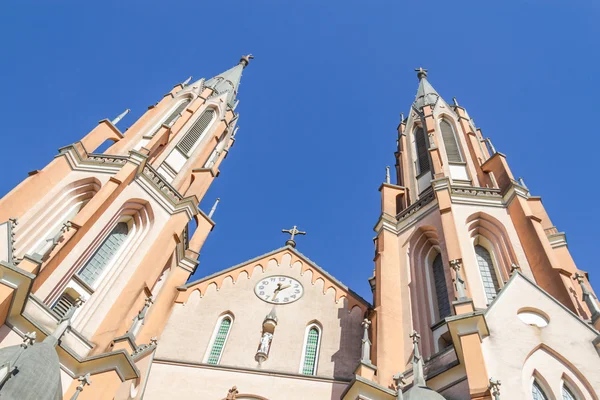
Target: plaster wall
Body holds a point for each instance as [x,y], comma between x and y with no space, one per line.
[107,292]
[515,352]
[187,382]
[187,334]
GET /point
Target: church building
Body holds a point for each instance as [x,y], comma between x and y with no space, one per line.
[474,292]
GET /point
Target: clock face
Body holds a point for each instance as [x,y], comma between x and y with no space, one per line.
[279,289]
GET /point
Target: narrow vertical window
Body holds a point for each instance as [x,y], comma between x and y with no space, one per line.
[488,273]
[537,393]
[177,112]
[441,291]
[421,141]
[219,338]
[567,394]
[188,143]
[450,142]
[310,354]
[104,254]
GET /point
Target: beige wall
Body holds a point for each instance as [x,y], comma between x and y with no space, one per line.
[515,351]
[189,330]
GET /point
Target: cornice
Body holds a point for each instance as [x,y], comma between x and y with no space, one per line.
[97,163]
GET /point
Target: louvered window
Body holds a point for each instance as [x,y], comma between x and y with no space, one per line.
[450,142]
[311,350]
[63,304]
[187,143]
[567,394]
[219,339]
[105,253]
[422,150]
[537,393]
[488,273]
[441,291]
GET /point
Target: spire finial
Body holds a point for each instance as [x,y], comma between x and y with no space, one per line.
[421,73]
[387,174]
[366,343]
[120,117]
[85,380]
[494,387]
[186,82]
[245,60]
[214,208]
[419,375]
[588,297]
[399,382]
[294,231]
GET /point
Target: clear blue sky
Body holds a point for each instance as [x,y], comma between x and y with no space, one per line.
[319,105]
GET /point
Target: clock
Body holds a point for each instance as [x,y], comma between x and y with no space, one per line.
[279,289]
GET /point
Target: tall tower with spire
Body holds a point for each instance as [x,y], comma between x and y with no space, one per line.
[111,231]
[456,231]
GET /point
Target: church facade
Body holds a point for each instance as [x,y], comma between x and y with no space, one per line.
[475,294]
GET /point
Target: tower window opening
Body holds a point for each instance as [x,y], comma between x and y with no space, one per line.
[441,290]
[174,116]
[219,339]
[450,142]
[63,304]
[487,271]
[310,355]
[104,254]
[189,141]
[421,141]
[537,393]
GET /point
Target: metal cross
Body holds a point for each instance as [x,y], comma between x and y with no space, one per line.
[85,380]
[294,231]
[28,339]
[415,337]
[421,73]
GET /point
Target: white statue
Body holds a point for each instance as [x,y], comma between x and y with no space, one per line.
[265,341]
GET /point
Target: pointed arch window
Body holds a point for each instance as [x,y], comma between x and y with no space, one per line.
[537,393]
[421,141]
[567,394]
[105,254]
[217,343]
[189,141]
[441,290]
[450,142]
[488,272]
[310,352]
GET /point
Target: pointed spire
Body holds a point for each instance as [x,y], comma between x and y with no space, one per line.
[418,374]
[214,208]
[426,94]
[229,81]
[366,343]
[120,117]
[187,81]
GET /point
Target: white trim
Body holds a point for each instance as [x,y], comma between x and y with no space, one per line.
[429,258]
[320,331]
[214,336]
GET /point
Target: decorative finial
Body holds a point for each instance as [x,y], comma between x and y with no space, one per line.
[455,101]
[387,174]
[85,380]
[494,387]
[153,341]
[401,118]
[588,297]
[366,343]
[421,73]
[514,267]
[187,81]
[399,382]
[245,60]
[232,393]
[419,375]
[214,208]
[120,117]
[294,231]
[28,339]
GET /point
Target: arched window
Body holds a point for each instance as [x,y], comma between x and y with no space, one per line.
[174,116]
[188,143]
[567,394]
[63,304]
[441,290]
[537,393]
[310,352]
[450,142]
[422,144]
[104,254]
[217,343]
[488,272]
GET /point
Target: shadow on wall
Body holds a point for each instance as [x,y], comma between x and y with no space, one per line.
[346,359]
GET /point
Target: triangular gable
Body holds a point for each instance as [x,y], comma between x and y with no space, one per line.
[329,282]
[518,275]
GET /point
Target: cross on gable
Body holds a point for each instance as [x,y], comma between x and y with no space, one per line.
[293,232]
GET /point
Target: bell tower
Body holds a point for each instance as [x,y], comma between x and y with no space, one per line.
[112,230]
[453,229]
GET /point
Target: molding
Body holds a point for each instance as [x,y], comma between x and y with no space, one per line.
[557,240]
[97,163]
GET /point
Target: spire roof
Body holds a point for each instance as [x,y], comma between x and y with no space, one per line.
[426,94]
[229,81]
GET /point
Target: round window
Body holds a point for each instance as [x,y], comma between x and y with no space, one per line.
[533,318]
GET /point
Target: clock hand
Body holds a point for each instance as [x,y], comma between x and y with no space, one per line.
[284,287]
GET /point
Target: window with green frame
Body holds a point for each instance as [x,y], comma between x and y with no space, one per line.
[218,342]
[311,351]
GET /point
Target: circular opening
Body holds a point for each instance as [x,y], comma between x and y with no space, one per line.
[533,318]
